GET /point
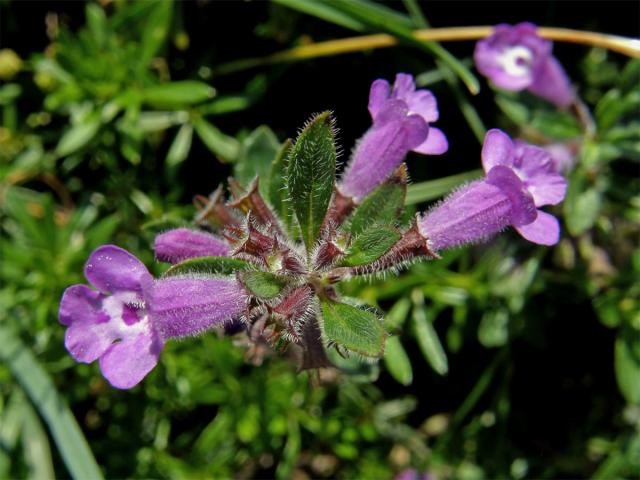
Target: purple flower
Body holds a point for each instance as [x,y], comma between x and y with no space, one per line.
[182,243]
[412,474]
[401,117]
[563,156]
[126,321]
[518,180]
[516,58]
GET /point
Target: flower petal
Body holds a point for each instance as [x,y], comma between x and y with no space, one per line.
[382,149]
[378,94]
[523,209]
[435,144]
[497,149]
[403,86]
[424,103]
[126,363]
[544,230]
[184,306]
[551,83]
[112,269]
[547,188]
[182,243]
[81,311]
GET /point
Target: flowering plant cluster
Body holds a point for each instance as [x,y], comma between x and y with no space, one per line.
[266,261]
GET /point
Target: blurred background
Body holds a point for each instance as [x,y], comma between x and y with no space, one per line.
[507,361]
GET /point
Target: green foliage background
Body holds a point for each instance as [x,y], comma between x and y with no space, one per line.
[506,360]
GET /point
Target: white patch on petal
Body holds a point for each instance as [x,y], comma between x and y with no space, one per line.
[516,61]
[116,326]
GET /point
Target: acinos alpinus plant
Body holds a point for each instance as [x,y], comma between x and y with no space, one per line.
[266,262]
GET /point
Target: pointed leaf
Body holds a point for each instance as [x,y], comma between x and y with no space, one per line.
[64,429]
[627,366]
[311,175]
[207,266]
[371,245]
[397,361]
[180,93]
[383,206]
[181,145]
[155,31]
[277,184]
[226,148]
[428,339]
[78,136]
[354,328]
[257,153]
[263,284]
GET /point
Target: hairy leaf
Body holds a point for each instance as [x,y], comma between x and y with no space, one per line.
[357,329]
[311,175]
[371,245]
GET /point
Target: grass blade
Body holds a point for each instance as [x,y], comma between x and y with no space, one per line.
[64,428]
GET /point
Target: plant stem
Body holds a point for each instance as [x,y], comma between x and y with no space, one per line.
[624,45]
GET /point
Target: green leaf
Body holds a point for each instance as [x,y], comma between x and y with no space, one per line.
[557,125]
[397,361]
[66,433]
[257,153]
[383,206]
[158,121]
[226,148]
[427,337]
[493,330]
[78,136]
[277,183]
[324,11]
[371,245]
[432,189]
[354,328]
[263,284]
[156,30]
[96,22]
[512,108]
[627,367]
[582,209]
[37,451]
[311,175]
[177,94]
[180,146]
[207,266]
[395,318]
[380,18]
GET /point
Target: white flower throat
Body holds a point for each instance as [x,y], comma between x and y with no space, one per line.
[516,61]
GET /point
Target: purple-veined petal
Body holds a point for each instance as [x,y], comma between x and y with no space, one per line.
[112,269]
[435,144]
[80,304]
[378,94]
[188,306]
[551,83]
[182,243]
[544,230]
[126,363]
[497,149]
[96,321]
[523,209]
